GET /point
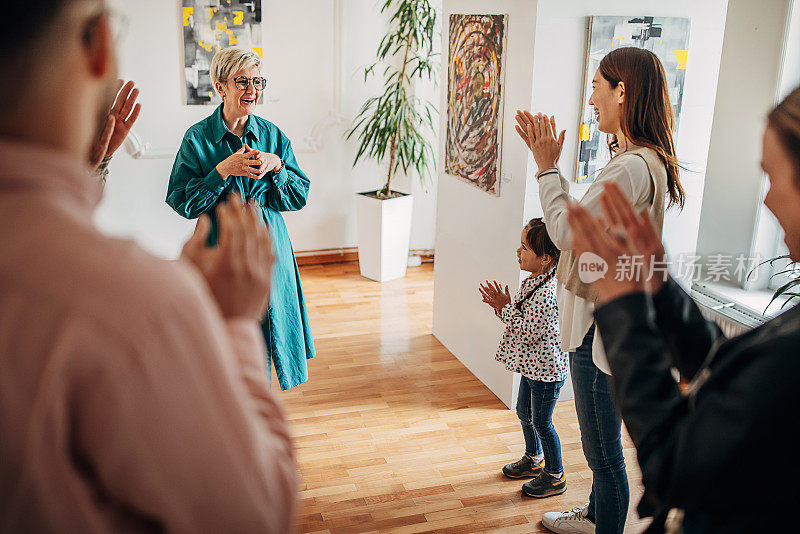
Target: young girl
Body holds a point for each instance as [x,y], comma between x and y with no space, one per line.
[531,346]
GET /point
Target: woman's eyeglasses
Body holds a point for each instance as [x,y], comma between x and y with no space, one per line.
[242,82]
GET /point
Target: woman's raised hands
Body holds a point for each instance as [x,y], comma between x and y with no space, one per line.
[539,133]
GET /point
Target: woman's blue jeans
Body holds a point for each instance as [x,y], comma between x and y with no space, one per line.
[535,404]
[601,427]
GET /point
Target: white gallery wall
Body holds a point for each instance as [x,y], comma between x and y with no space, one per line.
[476,234]
[315,87]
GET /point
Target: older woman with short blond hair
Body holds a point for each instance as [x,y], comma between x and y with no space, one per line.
[236,151]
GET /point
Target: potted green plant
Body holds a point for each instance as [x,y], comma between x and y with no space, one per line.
[391,128]
[790,289]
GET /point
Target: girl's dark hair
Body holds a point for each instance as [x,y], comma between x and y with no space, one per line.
[785,120]
[540,243]
[647,118]
[539,240]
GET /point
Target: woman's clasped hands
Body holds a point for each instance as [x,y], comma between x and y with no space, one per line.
[250,163]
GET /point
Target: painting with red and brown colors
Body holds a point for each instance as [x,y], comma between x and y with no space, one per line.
[475,99]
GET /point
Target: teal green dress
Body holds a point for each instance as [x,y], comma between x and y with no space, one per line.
[195,187]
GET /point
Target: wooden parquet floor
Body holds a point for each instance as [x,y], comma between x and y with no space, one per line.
[394,434]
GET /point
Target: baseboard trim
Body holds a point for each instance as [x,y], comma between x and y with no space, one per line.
[328,255]
[346,255]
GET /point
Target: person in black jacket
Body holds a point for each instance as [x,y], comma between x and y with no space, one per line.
[722,456]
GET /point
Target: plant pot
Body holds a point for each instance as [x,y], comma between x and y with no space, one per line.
[384,233]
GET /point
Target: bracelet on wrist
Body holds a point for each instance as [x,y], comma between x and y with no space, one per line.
[549,170]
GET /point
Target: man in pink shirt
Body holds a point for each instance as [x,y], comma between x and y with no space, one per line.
[132,390]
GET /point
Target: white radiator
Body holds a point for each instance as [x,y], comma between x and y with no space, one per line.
[733,318]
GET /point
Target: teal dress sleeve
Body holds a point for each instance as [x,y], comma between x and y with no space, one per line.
[192,192]
[291,185]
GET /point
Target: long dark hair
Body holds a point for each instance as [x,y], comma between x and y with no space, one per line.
[540,243]
[785,120]
[647,118]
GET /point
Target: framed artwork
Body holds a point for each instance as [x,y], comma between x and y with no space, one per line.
[475,99]
[666,37]
[210,26]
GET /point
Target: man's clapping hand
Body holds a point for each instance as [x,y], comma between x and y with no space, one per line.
[121,117]
[620,235]
[238,269]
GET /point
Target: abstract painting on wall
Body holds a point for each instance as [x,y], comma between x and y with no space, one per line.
[666,37]
[475,99]
[210,26]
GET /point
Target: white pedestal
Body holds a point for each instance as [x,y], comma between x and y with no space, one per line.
[384,233]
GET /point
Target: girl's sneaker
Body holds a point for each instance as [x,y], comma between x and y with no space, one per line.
[545,485]
[523,468]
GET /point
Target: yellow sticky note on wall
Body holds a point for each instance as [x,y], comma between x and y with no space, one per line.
[682,56]
[584,132]
[232,40]
[187,12]
[238,17]
[221,26]
[258,50]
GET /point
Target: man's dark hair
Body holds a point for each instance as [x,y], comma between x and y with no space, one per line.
[24,44]
[31,21]
[785,120]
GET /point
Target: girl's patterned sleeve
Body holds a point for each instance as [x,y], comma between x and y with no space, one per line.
[534,321]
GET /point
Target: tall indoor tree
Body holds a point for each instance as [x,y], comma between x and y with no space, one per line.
[395,122]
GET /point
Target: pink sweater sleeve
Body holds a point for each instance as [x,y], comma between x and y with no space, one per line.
[181,429]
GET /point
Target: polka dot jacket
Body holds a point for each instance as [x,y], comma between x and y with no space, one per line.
[531,344]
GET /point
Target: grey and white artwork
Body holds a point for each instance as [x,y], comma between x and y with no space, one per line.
[210,26]
[666,37]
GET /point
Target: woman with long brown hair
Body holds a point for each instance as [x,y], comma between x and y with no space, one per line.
[691,447]
[632,106]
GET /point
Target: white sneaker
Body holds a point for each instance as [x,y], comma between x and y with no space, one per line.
[571,522]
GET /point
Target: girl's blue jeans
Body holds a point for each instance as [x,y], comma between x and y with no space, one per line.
[535,404]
